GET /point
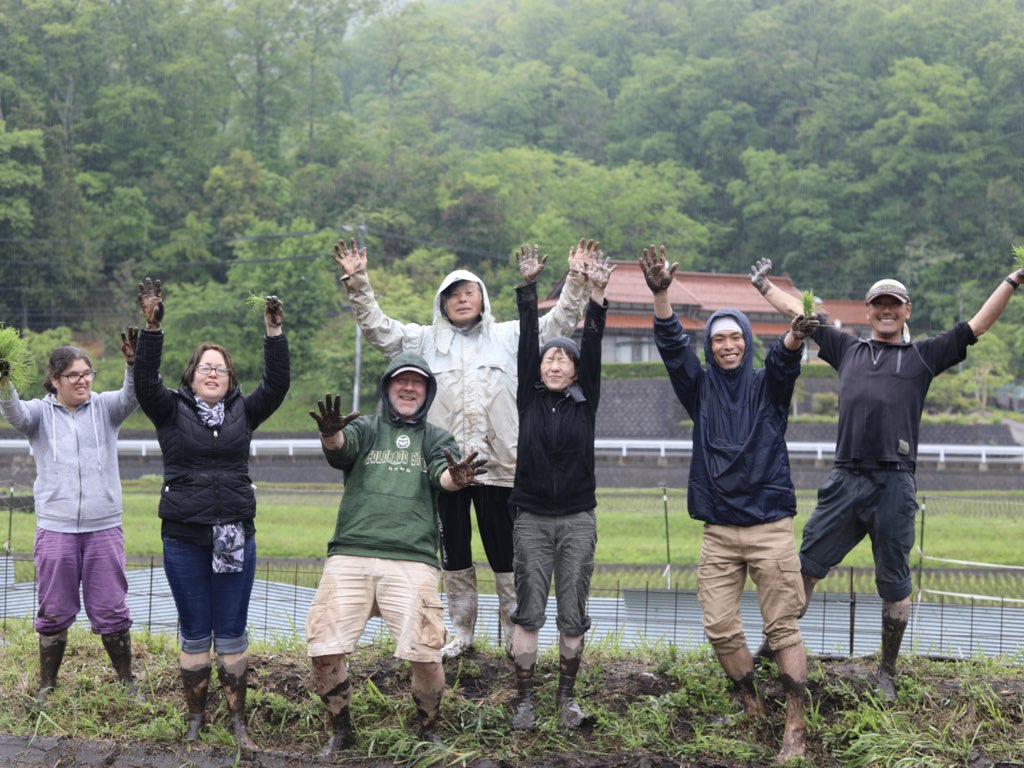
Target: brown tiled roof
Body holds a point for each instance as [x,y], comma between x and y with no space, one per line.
[695,295]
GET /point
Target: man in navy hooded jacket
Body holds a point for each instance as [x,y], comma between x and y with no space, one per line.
[740,487]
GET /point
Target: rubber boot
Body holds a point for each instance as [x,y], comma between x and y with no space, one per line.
[569,713]
[525,717]
[119,649]
[505,586]
[233,677]
[343,735]
[894,622]
[51,654]
[460,586]
[196,683]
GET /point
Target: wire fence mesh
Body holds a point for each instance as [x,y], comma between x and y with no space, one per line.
[962,608]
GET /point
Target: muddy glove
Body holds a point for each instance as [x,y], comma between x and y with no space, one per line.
[530,262]
[658,276]
[273,312]
[330,421]
[803,326]
[350,259]
[581,256]
[151,300]
[129,342]
[759,274]
[463,473]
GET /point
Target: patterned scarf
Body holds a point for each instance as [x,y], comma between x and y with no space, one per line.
[211,416]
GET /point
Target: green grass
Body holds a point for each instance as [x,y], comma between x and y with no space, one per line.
[654,705]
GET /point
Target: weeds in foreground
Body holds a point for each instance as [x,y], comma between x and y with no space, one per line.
[671,705]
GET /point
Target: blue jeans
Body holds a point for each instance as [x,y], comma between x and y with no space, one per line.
[211,606]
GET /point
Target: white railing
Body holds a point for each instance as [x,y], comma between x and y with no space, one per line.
[622,447]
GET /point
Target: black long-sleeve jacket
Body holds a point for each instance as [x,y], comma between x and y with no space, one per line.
[555,460]
[206,469]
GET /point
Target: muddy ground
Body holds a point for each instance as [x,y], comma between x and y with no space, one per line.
[622,682]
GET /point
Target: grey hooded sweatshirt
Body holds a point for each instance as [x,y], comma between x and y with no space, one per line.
[476,371]
[78,484]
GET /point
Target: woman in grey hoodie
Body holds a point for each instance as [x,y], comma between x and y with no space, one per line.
[79,540]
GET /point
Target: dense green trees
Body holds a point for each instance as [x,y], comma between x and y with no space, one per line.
[223,146]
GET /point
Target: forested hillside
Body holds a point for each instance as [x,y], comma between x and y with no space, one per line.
[223,146]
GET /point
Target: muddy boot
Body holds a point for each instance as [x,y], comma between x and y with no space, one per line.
[196,683]
[505,586]
[51,654]
[233,675]
[343,735]
[119,649]
[569,713]
[460,586]
[894,623]
[525,718]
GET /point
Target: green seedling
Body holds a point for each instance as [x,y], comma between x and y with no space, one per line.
[808,299]
[1018,256]
[255,303]
[15,351]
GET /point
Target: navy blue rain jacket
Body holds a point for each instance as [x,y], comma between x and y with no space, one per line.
[739,474]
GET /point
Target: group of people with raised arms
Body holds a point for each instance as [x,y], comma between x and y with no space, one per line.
[499,416]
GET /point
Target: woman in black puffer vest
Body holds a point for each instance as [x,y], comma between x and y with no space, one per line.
[207,503]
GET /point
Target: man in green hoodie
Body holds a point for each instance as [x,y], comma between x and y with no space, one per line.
[383,557]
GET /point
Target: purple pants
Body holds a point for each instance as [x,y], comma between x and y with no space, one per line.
[94,560]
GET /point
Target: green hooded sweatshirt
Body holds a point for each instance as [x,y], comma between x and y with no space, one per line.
[392,477]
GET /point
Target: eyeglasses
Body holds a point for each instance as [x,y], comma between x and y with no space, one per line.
[76,376]
[206,370]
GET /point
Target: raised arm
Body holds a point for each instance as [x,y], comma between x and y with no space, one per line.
[155,399]
[996,303]
[658,277]
[563,318]
[383,333]
[528,358]
[788,305]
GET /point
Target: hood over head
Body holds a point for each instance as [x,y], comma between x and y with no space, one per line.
[404,362]
[455,277]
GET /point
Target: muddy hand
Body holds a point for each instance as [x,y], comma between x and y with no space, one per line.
[330,421]
[803,326]
[5,369]
[350,258]
[129,342]
[759,274]
[530,262]
[599,270]
[658,276]
[151,300]
[273,312]
[463,473]
[581,256]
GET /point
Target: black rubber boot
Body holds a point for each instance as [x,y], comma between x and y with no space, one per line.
[51,654]
[119,649]
[197,685]
[234,686]
[343,735]
[569,713]
[525,717]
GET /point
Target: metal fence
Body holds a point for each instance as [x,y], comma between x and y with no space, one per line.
[630,605]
